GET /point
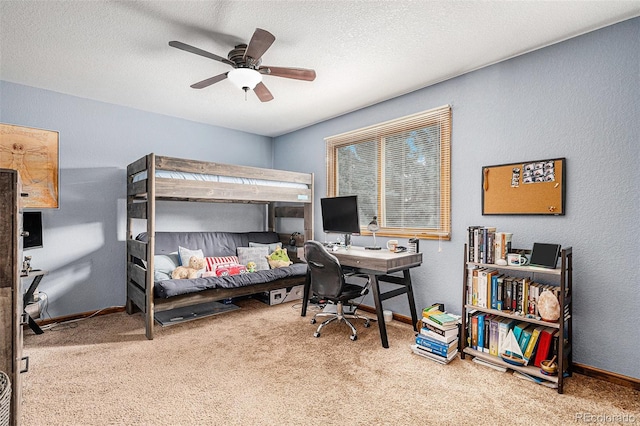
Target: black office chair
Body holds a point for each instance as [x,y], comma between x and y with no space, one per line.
[328,282]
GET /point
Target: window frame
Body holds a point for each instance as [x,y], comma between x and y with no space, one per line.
[437,116]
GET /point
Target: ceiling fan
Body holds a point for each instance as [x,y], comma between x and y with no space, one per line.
[246,61]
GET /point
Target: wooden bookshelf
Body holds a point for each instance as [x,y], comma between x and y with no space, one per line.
[563,325]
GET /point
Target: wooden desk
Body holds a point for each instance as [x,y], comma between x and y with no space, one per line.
[377,264]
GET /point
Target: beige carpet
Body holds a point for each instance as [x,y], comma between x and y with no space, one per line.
[261,365]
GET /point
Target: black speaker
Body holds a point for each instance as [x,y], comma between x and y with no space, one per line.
[292,239]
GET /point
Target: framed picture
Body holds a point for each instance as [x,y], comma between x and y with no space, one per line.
[34,154]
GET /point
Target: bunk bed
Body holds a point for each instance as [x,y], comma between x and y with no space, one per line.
[155,178]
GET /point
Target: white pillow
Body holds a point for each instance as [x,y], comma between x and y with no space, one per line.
[186,254]
[254,254]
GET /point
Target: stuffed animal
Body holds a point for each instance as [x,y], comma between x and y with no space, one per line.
[196,266]
[279,259]
[251,266]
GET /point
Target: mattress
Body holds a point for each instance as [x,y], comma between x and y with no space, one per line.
[169,288]
[169,174]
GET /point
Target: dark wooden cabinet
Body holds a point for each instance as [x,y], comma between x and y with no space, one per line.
[11,361]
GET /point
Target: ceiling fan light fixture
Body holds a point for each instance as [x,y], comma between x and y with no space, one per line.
[245,78]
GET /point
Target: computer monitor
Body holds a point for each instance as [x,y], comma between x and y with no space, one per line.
[340,215]
[32,224]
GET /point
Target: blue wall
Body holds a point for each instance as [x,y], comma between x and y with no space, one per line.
[84,247]
[579,99]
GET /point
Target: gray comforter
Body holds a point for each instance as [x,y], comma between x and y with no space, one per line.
[169,288]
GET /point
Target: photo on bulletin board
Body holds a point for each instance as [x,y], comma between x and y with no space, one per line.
[34,154]
[527,188]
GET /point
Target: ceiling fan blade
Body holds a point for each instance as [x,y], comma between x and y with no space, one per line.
[263,93]
[209,81]
[182,46]
[296,73]
[260,42]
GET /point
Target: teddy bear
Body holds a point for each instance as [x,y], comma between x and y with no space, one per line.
[196,265]
[279,259]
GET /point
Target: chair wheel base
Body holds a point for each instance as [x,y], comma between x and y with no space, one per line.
[354,337]
[367,324]
[313,321]
[316,334]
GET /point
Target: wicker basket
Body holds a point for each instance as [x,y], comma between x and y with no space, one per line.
[5,399]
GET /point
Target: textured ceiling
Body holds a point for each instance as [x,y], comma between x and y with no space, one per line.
[364,52]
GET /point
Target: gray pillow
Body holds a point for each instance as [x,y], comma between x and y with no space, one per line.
[272,246]
[254,254]
[164,264]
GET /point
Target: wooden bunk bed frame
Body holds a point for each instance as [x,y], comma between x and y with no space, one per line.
[142,195]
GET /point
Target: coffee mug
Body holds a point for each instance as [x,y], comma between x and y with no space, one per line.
[392,245]
[516,259]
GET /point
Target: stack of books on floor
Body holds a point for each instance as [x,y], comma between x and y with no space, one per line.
[438,336]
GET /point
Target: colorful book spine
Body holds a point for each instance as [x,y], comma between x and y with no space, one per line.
[432,345]
[525,337]
[474,332]
[532,346]
[544,345]
[494,330]
[507,288]
[500,291]
[494,291]
[481,332]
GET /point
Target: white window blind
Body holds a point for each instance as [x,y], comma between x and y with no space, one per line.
[400,171]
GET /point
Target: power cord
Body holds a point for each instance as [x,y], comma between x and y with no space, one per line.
[57,326]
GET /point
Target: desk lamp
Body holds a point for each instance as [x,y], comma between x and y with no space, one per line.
[373,228]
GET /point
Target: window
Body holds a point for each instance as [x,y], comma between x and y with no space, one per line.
[400,171]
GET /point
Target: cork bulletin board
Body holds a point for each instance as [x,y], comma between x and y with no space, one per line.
[531,187]
[33,153]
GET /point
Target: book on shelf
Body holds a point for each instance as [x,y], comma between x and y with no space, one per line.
[472,251]
[507,291]
[517,330]
[430,355]
[525,337]
[522,298]
[533,344]
[504,325]
[535,379]
[544,345]
[501,245]
[494,335]
[474,286]
[480,345]
[487,336]
[534,293]
[496,291]
[490,245]
[484,287]
[477,241]
[489,364]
